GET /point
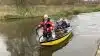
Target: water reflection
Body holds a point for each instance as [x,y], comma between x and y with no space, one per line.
[21,39]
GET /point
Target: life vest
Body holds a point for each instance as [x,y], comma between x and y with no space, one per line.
[47,26]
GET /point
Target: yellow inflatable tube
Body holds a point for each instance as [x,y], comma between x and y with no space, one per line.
[56,41]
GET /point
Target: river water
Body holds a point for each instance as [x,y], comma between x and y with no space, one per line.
[86,36]
[18,38]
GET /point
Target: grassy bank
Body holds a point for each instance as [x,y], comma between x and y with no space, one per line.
[77,10]
[8,12]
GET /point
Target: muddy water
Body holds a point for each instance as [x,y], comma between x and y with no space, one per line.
[17,38]
[86,36]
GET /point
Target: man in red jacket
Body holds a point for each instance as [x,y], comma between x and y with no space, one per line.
[48,26]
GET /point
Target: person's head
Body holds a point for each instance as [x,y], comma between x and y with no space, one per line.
[57,22]
[45,16]
[61,19]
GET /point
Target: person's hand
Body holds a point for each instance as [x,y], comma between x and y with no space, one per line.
[51,28]
[47,29]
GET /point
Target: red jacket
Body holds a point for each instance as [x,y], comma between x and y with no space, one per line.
[47,26]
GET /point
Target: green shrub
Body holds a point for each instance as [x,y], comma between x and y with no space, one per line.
[96,9]
[76,11]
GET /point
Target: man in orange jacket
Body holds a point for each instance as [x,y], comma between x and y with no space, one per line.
[48,26]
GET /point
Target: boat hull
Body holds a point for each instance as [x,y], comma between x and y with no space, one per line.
[57,41]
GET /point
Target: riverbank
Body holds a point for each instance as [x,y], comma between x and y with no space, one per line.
[9,13]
